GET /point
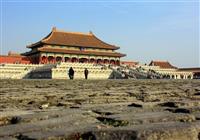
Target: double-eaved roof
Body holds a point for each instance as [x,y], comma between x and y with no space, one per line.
[89,40]
[56,50]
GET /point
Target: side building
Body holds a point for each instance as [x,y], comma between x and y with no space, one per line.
[61,46]
[168,70]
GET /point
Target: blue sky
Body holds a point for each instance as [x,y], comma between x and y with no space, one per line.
[145,30]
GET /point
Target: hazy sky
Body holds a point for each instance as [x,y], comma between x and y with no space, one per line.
[145,30]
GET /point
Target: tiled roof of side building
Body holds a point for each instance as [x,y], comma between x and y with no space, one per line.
[129,62]
[12,56]
[162,64]
[57,37]
[195,69]
[115,54]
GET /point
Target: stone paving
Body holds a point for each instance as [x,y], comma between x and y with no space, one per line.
[100,109]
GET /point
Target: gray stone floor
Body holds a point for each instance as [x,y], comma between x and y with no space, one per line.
[100,109]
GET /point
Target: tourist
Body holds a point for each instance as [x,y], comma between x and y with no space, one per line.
[86,73]
[71,73]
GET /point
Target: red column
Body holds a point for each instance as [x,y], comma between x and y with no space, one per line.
[40,60]
[46,60]
[54,60]
[70,60]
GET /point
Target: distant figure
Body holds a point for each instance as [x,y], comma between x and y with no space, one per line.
[123,75]
[71,73]
[86,73]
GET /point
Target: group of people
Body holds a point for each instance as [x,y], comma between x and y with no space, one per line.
[71,73]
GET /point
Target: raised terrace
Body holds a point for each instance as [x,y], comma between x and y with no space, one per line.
[60,71]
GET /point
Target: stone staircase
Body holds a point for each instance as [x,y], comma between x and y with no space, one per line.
[43,72]
[135,73]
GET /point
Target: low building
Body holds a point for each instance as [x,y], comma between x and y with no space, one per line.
[195,71]
[168,70]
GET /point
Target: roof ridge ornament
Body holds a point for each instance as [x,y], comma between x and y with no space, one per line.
[90,32]
[54,28]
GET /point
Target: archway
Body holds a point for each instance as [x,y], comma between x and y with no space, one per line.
[118,62]
[67,59]
[106,61]
[168,76]
[92,60]
[182,76]
[74,59]
[43,59]
[58,59]
[51,59]
[112,62]
[99,61]
[83,60]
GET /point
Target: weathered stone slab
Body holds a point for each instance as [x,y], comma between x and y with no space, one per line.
[39,125]
[91,109]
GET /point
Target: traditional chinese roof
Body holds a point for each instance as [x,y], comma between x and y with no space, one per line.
[57,50]
[130,63]
[11,53]
[13,56]
[162,64]
[63,38]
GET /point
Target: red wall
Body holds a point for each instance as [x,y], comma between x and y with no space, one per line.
[14,59]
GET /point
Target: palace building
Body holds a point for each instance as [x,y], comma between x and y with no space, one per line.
[53,55]
[61,46]
[171,72]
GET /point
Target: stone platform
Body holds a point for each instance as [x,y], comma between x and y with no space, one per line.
[100,109]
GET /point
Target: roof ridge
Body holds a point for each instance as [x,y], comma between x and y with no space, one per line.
[160,61]
[54,30]
[78,33]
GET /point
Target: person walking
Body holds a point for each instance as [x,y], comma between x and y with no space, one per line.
[71,73]
[86,72]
